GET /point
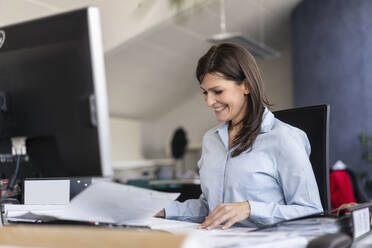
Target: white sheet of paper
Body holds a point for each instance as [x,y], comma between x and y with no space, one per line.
[245,240]
[237,237]
[172,226]
[31,213]
[117,203]
[183,227]
[107,202]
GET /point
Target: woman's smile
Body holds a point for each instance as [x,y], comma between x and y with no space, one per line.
[225,97]
[219,109]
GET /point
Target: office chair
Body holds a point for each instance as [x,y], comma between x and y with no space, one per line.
[314,121]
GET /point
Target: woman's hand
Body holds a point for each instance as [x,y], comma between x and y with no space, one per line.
[229,212]
[161,214]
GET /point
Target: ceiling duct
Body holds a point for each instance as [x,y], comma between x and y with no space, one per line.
[258,49]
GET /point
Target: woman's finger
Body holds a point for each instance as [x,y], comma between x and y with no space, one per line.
[219,220]
[210,217]
[219,216]
[229,223]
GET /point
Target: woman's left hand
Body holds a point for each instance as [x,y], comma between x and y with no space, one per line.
[229,212]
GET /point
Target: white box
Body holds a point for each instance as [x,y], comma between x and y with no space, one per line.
[47,191]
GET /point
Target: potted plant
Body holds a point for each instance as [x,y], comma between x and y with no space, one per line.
[366,143]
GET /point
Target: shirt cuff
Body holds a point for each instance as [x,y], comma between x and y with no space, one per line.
[171,210]
[258,211]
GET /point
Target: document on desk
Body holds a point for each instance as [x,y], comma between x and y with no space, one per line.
[108,202]
[184,227]
[236,237]
[245,240]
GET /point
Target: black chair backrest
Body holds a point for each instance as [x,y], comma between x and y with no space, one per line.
[314,120]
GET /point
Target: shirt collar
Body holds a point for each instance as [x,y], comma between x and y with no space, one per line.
[223,132]
[266,125]
[267,121]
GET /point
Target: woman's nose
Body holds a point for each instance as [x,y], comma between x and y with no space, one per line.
[209,99]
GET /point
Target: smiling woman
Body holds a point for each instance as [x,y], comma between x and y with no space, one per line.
[254,169]
[233,67]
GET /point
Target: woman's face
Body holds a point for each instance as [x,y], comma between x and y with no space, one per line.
[226,97]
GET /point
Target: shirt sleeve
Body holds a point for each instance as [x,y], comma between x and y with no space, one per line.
[297,180]
[193,208]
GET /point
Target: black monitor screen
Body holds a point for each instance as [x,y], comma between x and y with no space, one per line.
[52,91]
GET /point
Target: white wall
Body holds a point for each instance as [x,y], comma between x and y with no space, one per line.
[277,77]
[126,142]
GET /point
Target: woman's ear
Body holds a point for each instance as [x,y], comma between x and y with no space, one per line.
[246,88]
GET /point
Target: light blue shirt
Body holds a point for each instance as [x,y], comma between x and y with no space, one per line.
[275,177]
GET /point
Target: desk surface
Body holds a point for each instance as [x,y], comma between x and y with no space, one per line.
[72,236]
[53,236]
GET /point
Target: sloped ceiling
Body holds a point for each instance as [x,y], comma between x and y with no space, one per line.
[154,71]
[151,47]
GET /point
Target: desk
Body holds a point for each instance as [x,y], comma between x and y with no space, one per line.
[71,236]
[52,236]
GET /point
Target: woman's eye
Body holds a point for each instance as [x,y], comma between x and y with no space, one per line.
[204,92]
[217,92]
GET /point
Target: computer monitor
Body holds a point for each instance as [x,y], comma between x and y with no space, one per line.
[314,121]
[53,92]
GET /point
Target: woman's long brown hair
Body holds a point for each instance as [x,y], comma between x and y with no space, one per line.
[237,64]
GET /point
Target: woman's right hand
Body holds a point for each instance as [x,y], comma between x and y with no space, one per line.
[161,214]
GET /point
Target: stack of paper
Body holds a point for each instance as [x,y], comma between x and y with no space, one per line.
[308,228]
[102,202]
[237,237]
[184,227]
[245,240]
